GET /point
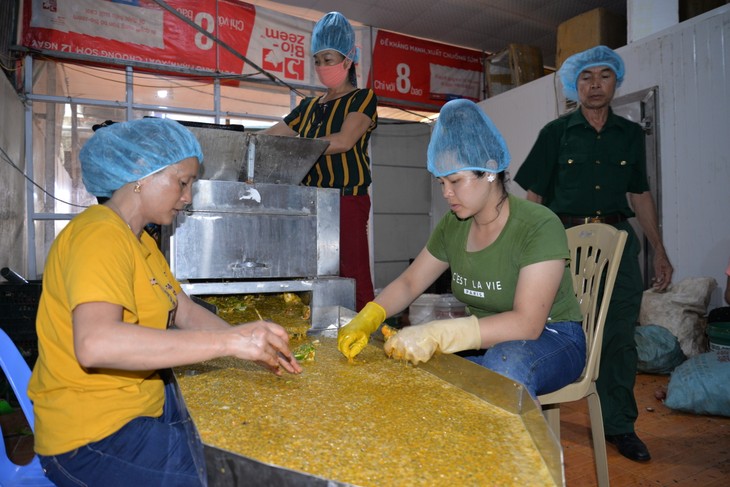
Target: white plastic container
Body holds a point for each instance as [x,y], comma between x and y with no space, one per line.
[422,310]
[429,307]
[447,306]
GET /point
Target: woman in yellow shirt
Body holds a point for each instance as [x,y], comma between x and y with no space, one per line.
[112,321]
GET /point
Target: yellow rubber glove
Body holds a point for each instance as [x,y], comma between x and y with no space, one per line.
[418,343]
[353,337]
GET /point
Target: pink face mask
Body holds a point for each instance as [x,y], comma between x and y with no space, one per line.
[332,76]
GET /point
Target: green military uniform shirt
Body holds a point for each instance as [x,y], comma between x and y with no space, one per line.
[578,171]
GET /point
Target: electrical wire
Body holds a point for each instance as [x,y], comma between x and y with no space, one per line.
[228,48]
[232,50]
[12,164]
[175,83]
[4,60]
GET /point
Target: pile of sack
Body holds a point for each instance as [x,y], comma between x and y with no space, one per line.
[672,339]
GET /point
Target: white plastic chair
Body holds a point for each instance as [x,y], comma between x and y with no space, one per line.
[595,255]
[17,373]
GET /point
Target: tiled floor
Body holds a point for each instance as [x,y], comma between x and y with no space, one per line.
[687,450]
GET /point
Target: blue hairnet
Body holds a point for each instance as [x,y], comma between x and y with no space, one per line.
[465,139]
[129,151]
[591,58]
[333,31]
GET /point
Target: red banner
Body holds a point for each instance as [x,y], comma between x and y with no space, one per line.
[425,73]
[141,31]
[406,71]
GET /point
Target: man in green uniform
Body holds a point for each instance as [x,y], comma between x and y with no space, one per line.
[582,166]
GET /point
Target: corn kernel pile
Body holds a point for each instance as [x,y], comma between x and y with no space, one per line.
[377,422]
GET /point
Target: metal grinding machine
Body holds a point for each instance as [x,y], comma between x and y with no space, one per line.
[253,229]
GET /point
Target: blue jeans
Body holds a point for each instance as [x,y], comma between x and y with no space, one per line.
[555,359]
[164,451]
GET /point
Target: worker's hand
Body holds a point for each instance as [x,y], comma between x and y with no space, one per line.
[418,343]
[265,343]
[662,272]
[354,336]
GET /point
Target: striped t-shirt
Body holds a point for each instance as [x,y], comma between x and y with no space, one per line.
[348,171]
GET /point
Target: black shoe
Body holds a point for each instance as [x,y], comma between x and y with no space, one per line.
[630,446]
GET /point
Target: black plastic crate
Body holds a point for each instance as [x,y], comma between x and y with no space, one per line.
[18,309]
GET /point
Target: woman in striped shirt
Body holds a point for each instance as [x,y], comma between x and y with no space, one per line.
[345,116]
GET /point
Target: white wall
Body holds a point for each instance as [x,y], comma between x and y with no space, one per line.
[645,17]
[519,114]
[401,195]
[690,65]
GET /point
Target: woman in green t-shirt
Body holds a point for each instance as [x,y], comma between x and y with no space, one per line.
[508,259]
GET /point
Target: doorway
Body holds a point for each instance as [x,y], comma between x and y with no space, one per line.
[641,107]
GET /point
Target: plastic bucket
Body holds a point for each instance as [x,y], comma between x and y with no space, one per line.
[719,334]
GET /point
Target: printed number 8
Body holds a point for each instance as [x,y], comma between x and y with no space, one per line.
[207,22]
[402,83]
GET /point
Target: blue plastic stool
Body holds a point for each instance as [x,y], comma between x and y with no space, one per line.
[18,375]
